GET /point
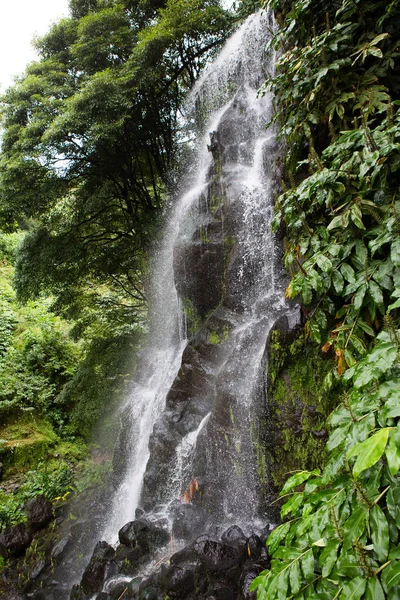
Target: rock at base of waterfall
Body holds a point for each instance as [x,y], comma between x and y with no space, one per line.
[144,535]
[96,571]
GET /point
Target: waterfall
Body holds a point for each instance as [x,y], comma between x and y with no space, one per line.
[192,427]
[226,91]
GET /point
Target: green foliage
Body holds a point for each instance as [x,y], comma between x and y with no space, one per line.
[89,142]
[338,88]
[37,357]
[343,535]
[99,383]
[338,94]
[52,483]
[11,512]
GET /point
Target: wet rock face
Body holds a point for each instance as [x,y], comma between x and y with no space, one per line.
[39,511]
[211,567]
[199,270]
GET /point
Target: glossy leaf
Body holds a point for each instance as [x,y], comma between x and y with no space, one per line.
[295,577]
[374,589]
[355,525]
[369,451]
[393,455]
[354,589]
[391,576]
[379,532]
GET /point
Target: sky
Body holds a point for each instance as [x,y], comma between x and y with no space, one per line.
[20,21]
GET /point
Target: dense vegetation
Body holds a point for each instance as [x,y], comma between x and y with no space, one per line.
[89,144]
[338,85]
[91,133]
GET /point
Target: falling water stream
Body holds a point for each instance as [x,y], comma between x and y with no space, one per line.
[233,78]
[190,422]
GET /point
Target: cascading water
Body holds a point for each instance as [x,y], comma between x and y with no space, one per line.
[187,456]
[225,271]
[229,87]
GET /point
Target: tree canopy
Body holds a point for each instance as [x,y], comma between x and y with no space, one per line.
[89,142]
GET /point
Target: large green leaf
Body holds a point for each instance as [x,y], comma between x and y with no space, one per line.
[276,536]
[369,451]
[391,576]
[328,558]
[374,590]
[348,272]
[379,532]
[354,526]
[295,577]
[307,565]
[376,292]
[395,252]
[297,479]
[393,455]
[354,589]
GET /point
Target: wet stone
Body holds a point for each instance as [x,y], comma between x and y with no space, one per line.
[60,548]
[14,540]
[37,568]
[95,573]
[39,511]
[222,591]
[217,556]
[233,536]
[180,579]
[254,546]
[144,535]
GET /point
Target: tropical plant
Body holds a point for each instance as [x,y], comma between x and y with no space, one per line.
[338,88]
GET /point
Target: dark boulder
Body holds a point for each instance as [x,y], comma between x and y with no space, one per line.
[127,559]
[180,579]
[39,511]
[216,556]
[14,540]
[223,591]
[254,546]
[143,535]
[95,573]
[151,589]
[234,536]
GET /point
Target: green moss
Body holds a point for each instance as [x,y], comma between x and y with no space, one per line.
[214,338]
[217,336]
[193,320]
[299,405]
[25,443]
[204,236]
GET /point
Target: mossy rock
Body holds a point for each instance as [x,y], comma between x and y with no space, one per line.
[24,444]
[299,402]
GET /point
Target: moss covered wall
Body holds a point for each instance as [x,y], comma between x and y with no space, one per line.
[299,399]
